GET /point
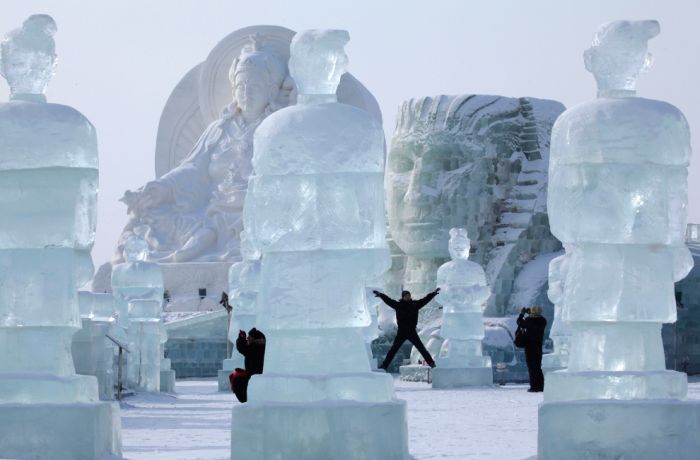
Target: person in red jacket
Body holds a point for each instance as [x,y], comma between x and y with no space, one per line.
[252,347]
[407,320]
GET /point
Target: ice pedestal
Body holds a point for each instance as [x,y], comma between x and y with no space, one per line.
[93,352]
[48,193]
[617,199]
[314,212]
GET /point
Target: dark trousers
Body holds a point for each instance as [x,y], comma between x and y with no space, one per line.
[533,358]
[401,337]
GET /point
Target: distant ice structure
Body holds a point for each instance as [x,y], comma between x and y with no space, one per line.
[137,286]
[559,333]
[463,294]
[48,195]
[93,352]
[617,200]
[315,212]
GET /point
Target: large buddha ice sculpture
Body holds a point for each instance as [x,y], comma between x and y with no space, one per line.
[194,211]
[315,212]
[464,292]
[477,162]
[617,200]
[48,194]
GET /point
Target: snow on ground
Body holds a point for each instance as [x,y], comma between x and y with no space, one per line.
[484,423]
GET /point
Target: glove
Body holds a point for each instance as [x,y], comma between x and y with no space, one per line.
[437,291]
[241,334]
[376,293]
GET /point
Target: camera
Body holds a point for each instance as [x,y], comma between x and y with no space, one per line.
[525,310]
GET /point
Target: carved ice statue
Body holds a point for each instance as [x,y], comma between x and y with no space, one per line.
[559,333]
[145,332]
[464,294]
[315,212]
[475,162]
[136,278]
[617,200]
[48,194]
[194,211]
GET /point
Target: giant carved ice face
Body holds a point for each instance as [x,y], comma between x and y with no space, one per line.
[432,186]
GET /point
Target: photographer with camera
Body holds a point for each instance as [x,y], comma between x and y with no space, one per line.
[534,325]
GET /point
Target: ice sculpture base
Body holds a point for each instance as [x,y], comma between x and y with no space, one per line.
[554,362]
[338,430]
[602,430]
[60,431]
[167,381]
[415,373]
[460,377]
[561,385]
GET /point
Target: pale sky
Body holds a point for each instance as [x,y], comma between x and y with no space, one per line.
[119,61]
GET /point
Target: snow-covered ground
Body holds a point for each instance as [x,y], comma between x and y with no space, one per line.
[493,423]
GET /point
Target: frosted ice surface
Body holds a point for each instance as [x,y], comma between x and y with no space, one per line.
[463,294]
[617,199]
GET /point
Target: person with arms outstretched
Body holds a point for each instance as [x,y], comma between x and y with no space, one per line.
[407,320]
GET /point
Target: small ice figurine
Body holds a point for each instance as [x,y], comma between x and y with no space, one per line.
[135,279]
[48,195]
[464,292]
[617,199]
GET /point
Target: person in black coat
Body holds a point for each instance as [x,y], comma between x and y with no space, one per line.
[534,326]
[252,347]
[407,320]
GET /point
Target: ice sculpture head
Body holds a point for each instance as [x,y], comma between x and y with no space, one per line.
[256,77]
[135,249]
[318,60]
[459,244]
[619,54]
[29,56]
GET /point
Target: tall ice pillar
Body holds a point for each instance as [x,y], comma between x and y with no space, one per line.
[617,199]
[48,195]
[315,212]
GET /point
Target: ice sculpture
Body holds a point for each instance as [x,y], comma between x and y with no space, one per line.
[93,352]
[464,294]
[477,162]
[167,373]
[137,280]
[617,200]
[315,211]
[244,281]
[145,332]
[559,333]
[48,193]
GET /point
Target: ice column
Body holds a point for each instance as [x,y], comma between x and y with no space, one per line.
[93,352]
[48,194]
[617,199]
[464,294]
[559,333]
[244,281]
[138,286]
[315,211]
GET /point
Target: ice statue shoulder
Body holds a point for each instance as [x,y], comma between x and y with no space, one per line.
[613,140]
[339,128]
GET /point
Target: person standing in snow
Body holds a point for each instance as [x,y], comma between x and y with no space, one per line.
[534,326]
[407,320]
[252,347]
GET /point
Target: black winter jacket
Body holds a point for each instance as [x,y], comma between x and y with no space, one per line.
[254,354]
[407,310]
[534,329]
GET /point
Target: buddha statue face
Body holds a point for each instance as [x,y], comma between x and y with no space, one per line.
[318,60]
[619,54]
[432,186]
[28,55]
